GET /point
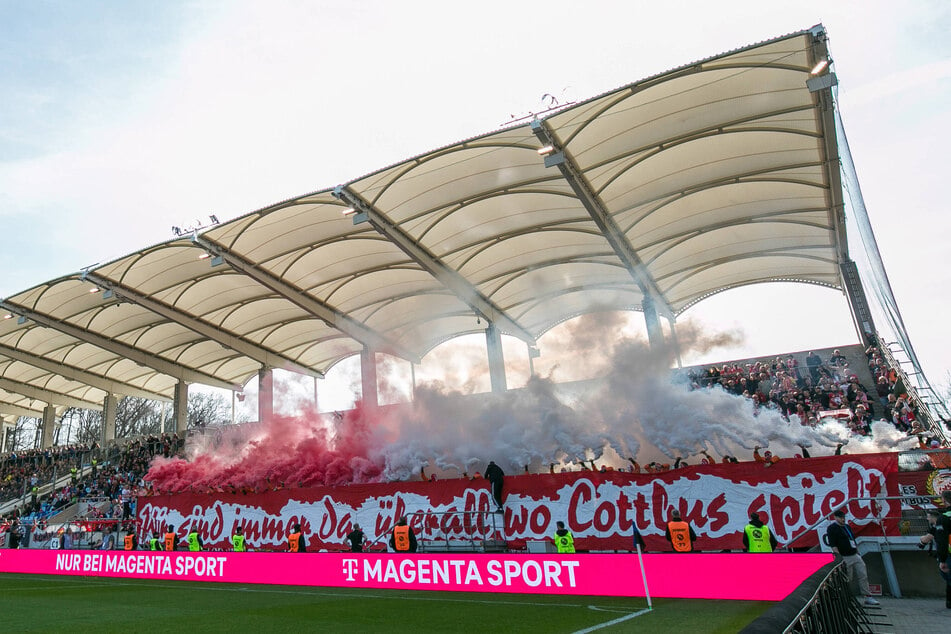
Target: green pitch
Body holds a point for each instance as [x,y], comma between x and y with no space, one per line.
[36,603]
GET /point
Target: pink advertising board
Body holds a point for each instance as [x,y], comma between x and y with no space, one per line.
[697,576]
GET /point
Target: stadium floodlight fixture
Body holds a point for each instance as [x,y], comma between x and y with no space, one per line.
[94,289]
[204,256]
[349,211]
[818,68]
[8,316]
[546,150]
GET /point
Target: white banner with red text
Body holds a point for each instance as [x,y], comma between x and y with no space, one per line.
[600,509]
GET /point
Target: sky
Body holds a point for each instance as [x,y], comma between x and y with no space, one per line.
[119,120]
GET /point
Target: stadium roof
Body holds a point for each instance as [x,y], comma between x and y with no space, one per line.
[715,175]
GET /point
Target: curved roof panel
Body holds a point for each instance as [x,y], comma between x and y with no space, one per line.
[718,174]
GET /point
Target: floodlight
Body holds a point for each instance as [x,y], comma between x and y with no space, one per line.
[818,68]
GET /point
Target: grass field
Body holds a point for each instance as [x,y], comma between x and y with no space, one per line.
[36,603]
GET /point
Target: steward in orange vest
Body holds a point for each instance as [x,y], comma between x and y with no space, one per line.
[679,533]
[403,539]
[171,538]
[128,542]
[295,540]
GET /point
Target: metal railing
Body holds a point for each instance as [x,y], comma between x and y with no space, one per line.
[833,608]
[481,532]
[880,515]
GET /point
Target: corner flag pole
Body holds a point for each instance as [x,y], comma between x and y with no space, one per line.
[640,558]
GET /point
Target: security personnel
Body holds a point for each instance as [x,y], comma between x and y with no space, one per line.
[757,538]
[154,542]
[73,475]
[403,539]
[171,538]
[129,541]
[194,540]
[237,541]
[564,540]
[679,533]
[295,540]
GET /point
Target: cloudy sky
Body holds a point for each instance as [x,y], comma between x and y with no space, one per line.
[121,119]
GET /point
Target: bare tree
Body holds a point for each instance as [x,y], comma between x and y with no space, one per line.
[138,416]
[207,409]
[24,434]
[84,426]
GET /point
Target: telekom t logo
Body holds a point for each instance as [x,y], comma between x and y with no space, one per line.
[350,568]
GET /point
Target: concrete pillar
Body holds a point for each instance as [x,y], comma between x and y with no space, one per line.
[109,405]
[675,341]
[180,407]
[654,333]
[265,394]
[49,423]
[493,346]
[371,398]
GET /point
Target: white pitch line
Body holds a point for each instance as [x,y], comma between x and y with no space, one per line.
[217,588]
[610,623]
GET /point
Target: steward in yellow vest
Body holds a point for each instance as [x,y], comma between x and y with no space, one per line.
[564,540]
[194,541]
[237,540]
[757,538]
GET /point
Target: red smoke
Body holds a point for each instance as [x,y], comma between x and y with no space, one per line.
[283,453]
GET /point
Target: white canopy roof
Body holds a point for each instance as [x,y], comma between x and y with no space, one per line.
[715,175]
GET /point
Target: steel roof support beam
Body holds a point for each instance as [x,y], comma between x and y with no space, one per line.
[821,86]
[81,376]
[335,318]
[9,409]
[595,208]
[135,355]
[47,396]
[448,277]
[267,358]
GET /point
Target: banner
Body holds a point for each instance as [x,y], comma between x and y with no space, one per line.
[927,486]
[714,576]
[600,509]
